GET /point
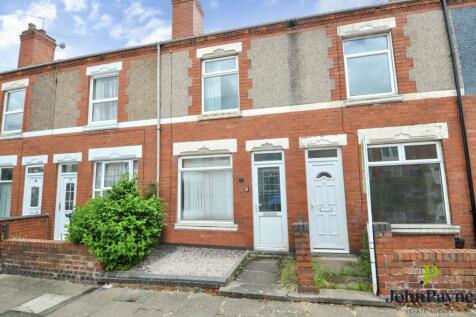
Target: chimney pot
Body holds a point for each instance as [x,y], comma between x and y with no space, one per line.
[36,47]
[187,18]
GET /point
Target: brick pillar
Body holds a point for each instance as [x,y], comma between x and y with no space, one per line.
[303,257]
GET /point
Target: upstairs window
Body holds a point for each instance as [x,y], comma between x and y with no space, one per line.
[104,96]
[13,111]
[220,84]
[5,191]
[369,66]
[407,184]
[106,174]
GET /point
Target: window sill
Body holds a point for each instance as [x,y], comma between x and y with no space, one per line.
[207,226]
[220,115]
[8,136]
[95,127]
[372,100]
[426,229]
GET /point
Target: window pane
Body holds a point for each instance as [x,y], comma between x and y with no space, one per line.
[98,180]
[70,168]
[220,66]
[6,174]
[223,161]
[5,199]
[114,172]
[407,194]
[15,100]
[34,196]
[323,153]
[421,152]
[221,92]
[35,169]
[69,197]
[13,122]
[105,88]
[369,75]
[207,195]
[105,111]
[268,157]
[269,189]
[366,45]
[383,154]
[135,168]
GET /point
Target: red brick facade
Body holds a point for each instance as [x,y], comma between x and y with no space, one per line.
[36,47]
[29,227]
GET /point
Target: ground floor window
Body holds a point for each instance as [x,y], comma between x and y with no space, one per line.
[5,191]
[206,189]
[106,174]
[407,184]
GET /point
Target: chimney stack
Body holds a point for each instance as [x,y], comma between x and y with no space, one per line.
[36,47]
[187,18]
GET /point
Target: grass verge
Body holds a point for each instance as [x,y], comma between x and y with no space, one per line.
[288,274]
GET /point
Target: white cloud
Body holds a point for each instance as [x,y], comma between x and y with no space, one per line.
[80,26]
[214,4]
[141,25]
[323,6]
[75,5]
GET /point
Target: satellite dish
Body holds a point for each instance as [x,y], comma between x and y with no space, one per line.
[62,46]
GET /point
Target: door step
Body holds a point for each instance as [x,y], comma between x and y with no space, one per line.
[336,262]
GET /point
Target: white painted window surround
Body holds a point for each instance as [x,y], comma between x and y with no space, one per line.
[231,48]
[104,69]
[412,133]
[366,27]
[115,153]
[17,84]
[254,145]
[8,160]
[34,160]
[322,141]
[67,158]
[225,145]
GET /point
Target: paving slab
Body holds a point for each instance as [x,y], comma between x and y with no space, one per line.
[242,307]
[338,296]
[284,309]
[41,303]
[117,309]
[166,301]
[330,310]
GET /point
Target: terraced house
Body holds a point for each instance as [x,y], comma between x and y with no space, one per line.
[320,119]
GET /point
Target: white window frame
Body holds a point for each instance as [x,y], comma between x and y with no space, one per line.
[93,102]
[219,74]
[7,182]
[203,223]
[22,111]
[103,163]
[403,161]
[391,64]
[26,198]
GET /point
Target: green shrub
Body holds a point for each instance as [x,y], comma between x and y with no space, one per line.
[121,228]
[364,260]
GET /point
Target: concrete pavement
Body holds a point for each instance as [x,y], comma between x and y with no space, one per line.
[65,299]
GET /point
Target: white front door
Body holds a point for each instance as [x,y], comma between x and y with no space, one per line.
[269,202]
[33,190]
[326,201]
[67,188]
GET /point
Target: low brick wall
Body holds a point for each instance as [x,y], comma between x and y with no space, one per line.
[443,269]
[54,259]
[303,257]
[25,227]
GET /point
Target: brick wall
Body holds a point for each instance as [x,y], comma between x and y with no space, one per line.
[401,262]
[303,257]
[54,259]
[26,227]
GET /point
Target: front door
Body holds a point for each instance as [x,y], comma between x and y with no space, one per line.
[326,201]
[269,201]
[33,190]
[67,188]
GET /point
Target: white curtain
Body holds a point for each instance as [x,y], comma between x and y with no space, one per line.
[213,93]
[5,199]
[114,172]
[207,195]
[105,88]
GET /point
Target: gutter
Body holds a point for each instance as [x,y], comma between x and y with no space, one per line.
[158,117]
[469,172]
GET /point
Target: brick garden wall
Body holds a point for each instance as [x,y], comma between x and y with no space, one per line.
[402,268]
[54,259]
[26,227]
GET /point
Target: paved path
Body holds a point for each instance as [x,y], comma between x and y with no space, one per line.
[18,291]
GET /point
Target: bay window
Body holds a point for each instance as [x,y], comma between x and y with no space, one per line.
[5,191]
[206,189]
[106,174]
[13,111]
[220,84]
[369,66]
[103,99]
[407,184]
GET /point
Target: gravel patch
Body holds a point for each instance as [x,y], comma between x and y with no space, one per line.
[190,261]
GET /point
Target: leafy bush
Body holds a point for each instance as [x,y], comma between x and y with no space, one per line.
[121,228]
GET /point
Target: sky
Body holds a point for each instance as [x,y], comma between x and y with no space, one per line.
[90,26]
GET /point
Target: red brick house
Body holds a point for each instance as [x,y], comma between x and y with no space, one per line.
[248,130]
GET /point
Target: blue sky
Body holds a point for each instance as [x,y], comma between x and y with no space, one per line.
[89,26]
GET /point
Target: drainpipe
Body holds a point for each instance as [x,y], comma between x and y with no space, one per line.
[469,172]
[158,118]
